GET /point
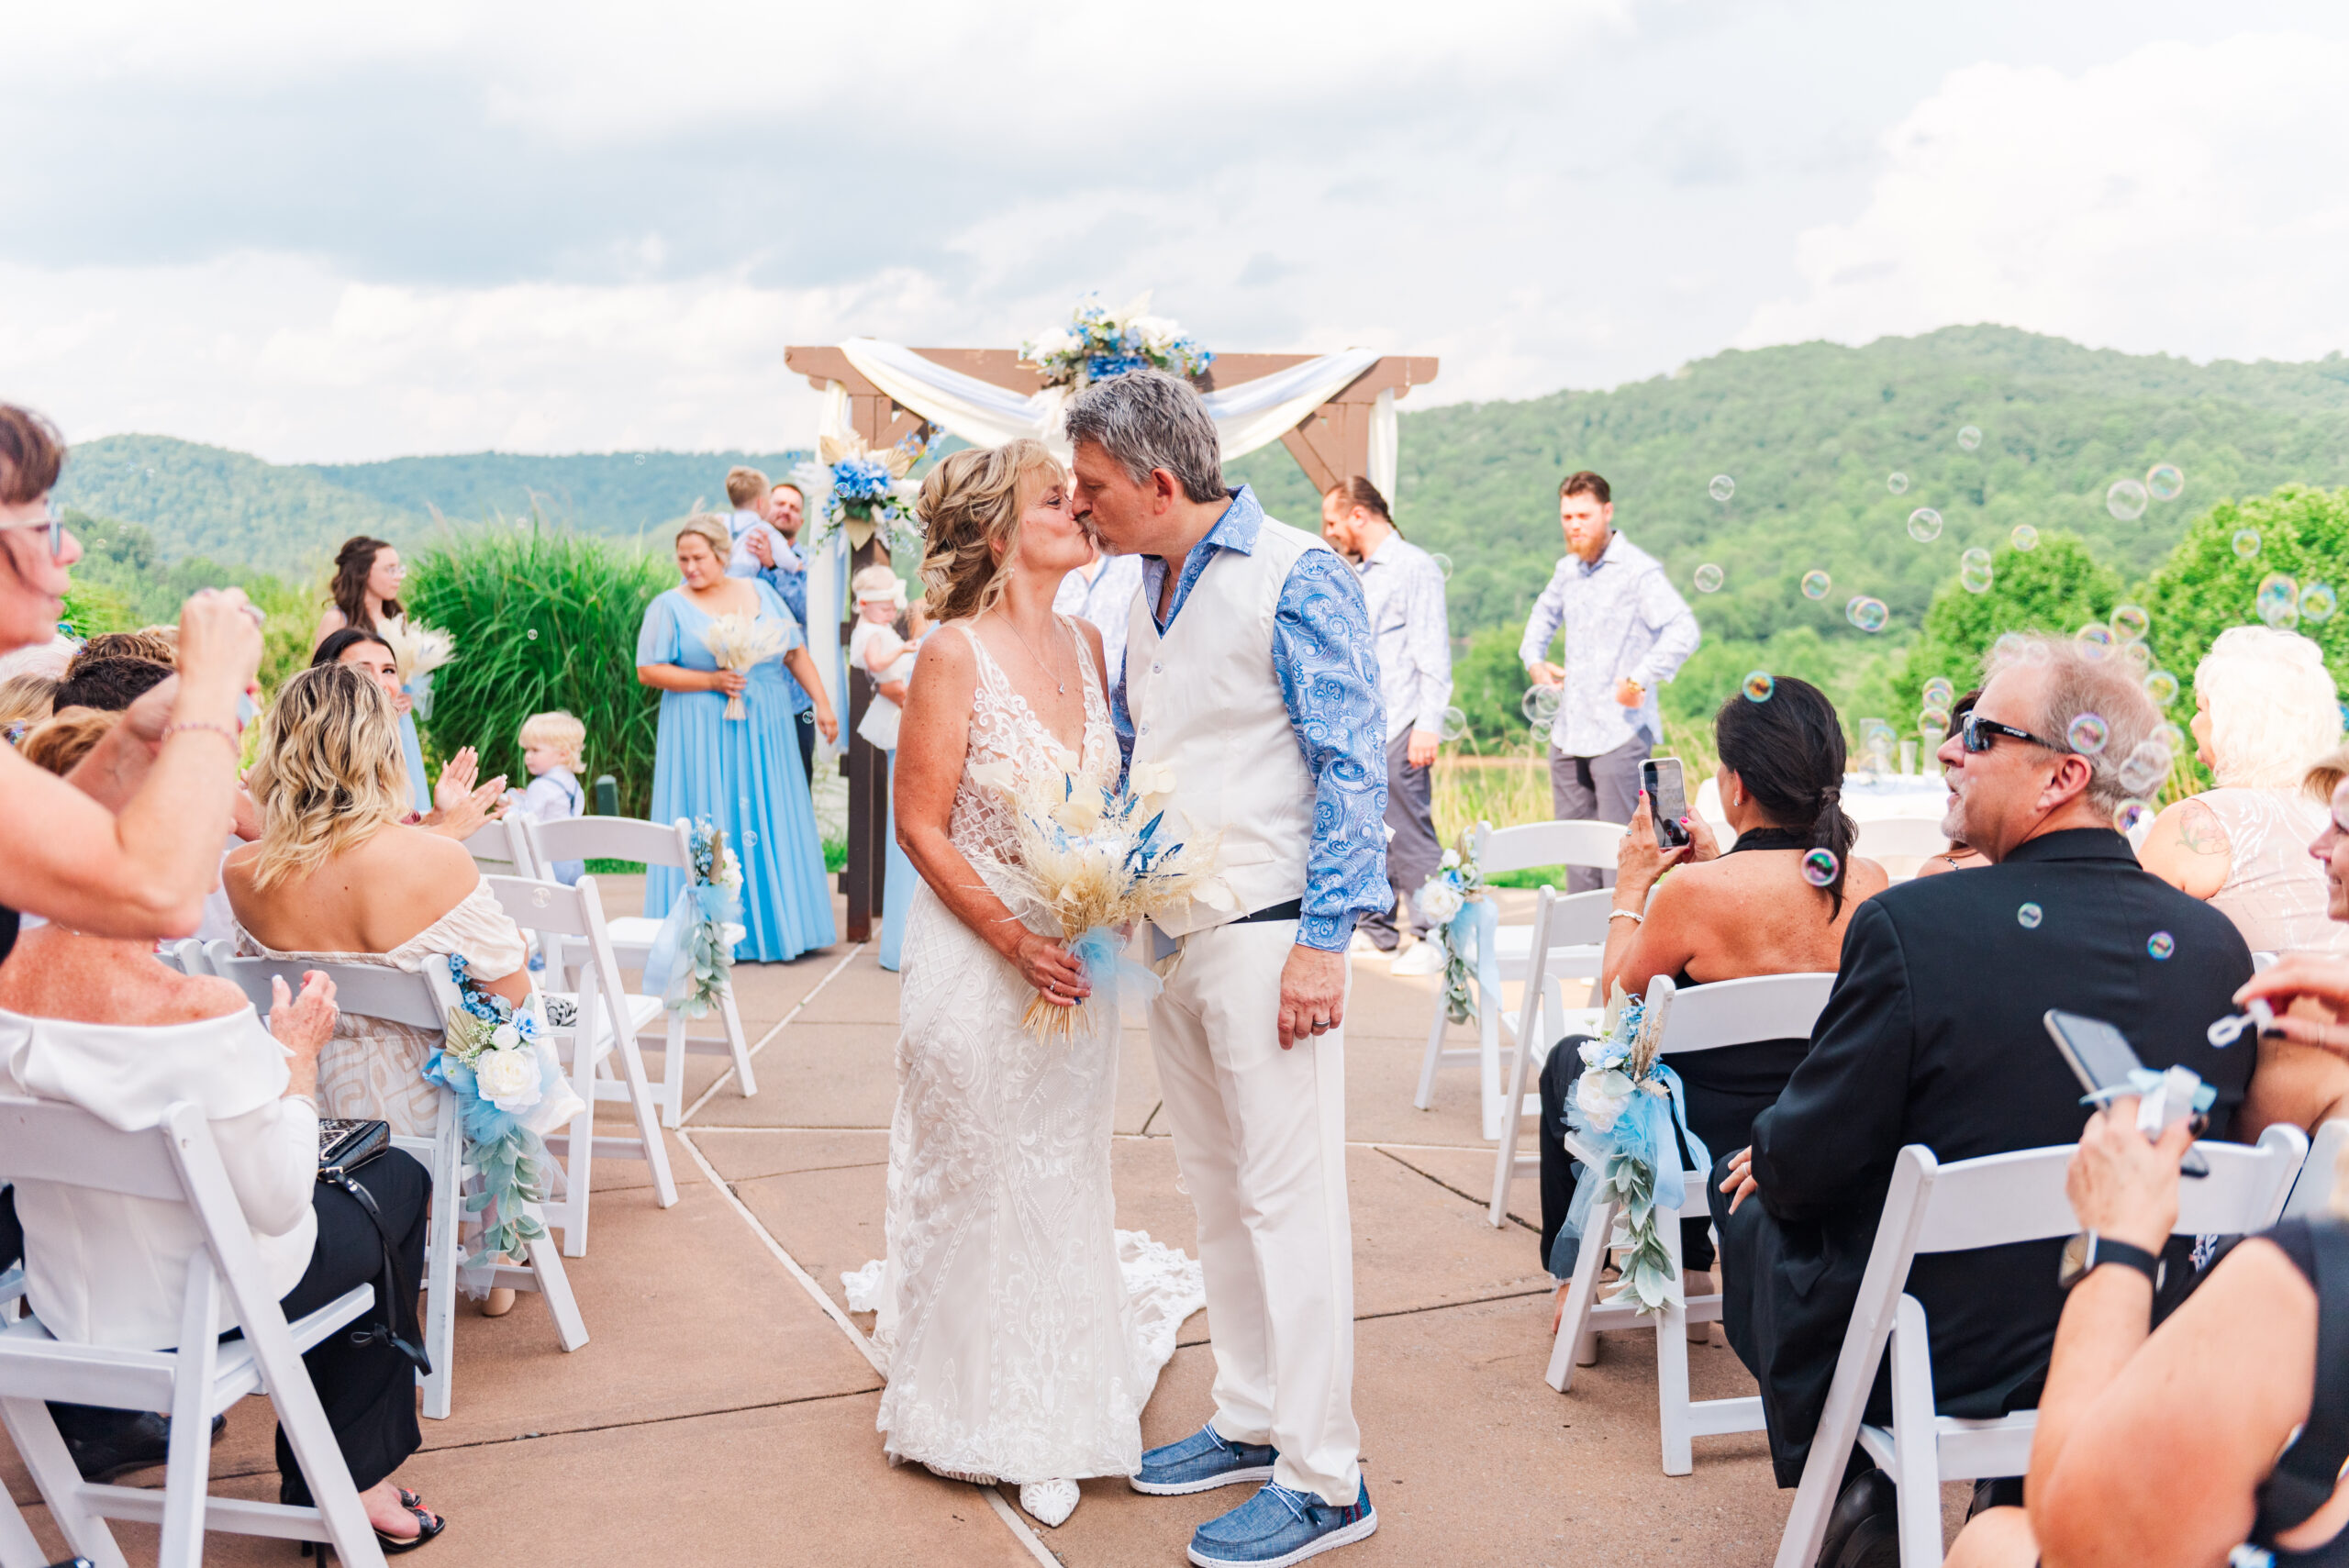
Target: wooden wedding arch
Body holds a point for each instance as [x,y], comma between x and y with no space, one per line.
[1331,445]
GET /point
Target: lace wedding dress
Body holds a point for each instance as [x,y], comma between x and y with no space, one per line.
[1021,1331]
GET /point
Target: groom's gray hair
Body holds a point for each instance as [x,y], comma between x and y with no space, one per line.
[1146,419]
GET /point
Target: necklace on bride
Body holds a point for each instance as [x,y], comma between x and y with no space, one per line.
[1059,684]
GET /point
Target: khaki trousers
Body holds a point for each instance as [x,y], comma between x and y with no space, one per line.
[1260,1137]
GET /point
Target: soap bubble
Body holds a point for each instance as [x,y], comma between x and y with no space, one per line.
[1443,564]
[1541,704]
[1759,686]
[2130,622]
[1898,484]
[1867,613]
[640,459]
[2170,735]
[2160,945]
[532,634]
[2126,499]
[1818,867]
[1451,724]
[1974,573]
[2279,601]
[2086,734]
[2317,602]
[1924,524]
[2029,917]
[2008,648]
[1815,584]
[2146,766]
[1723,487]
[1934,721]
[2131,814]
[2025,536]
[2139,654]
[2163,481]
[1708,578]
[2246,542]
[2161,686]
[1969,437]
[2094,639]
[1938,693]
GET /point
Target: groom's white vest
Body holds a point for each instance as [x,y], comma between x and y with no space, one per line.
[1206,701]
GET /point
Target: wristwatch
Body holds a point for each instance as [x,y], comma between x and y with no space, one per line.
[2085,1252]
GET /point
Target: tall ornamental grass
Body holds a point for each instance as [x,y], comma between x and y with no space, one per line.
[543,620]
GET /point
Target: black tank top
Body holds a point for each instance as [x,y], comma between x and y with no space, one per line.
[7,932]
[2305,1476]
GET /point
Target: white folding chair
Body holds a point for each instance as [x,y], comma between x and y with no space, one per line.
[2313,1193]
[654,844]
[1565,929]
[1994,1201]
[1505,850]
[606,1021]
[502,848]
[1703,1018]
[175,1163]
[417,1000]
[185,955]
[1901,842]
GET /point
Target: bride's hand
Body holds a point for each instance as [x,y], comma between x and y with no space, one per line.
[1052,969]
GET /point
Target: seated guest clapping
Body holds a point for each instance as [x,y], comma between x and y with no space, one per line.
[336,878]
[97,1022]
[2217,1437]
[1933,1035]
[1724,915]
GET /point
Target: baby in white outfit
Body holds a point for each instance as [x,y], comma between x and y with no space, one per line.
[875,648]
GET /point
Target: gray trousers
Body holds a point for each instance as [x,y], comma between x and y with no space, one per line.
[1596,789]
[1414,851]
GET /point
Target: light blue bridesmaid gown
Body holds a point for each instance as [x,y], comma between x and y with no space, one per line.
[743,774]
[412,751]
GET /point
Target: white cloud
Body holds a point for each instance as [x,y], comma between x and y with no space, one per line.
[2187,199]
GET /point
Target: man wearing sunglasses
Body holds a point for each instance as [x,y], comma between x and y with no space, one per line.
[1933,1035]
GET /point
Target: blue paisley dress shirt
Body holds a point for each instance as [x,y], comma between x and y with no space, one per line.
[1323,653]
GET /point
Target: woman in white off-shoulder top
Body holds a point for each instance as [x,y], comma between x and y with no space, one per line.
[336,879]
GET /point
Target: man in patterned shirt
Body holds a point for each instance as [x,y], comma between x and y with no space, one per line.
[1402,589]
[1627,632]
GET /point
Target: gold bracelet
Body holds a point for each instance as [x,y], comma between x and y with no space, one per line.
[235,738]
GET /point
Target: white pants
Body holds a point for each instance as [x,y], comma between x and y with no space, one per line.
[1260,1137]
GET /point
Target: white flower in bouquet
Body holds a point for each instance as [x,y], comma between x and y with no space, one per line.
[1440,902]
[741,642]
[1451,859]
[505,1037]
[507,1077]
[416,649]
[1602,1092]
[1150,780]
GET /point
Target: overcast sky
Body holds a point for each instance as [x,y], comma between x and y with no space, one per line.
[336,233]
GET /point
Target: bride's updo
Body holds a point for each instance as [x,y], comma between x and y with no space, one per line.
[970,510]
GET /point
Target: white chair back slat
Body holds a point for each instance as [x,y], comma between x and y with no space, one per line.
[1534,844]
[502,848]
[1739,1012]
[2312,1191]
[366,990]
[610,838]
[76,1150]
[1579,919]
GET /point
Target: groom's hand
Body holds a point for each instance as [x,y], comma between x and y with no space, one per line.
[1313,994]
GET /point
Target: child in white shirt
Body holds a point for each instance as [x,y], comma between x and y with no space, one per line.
[875,648]
[551,743]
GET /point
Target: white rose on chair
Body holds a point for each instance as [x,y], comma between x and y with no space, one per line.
[507,1077]
[1440,901]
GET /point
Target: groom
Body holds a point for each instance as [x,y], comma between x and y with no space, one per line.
[1249,674]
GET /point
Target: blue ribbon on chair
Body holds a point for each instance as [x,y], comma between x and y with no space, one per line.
[671,954]
[1109,971]
[1644,1132]
[1476,930]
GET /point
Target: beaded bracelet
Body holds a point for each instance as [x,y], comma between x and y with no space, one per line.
[233,737]
[1631,915]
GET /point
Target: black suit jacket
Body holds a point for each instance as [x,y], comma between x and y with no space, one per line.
[1933,1035]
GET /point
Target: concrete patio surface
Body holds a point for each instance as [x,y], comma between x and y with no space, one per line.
[722,1412]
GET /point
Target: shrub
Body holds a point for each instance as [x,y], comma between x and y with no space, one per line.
[2206,586]
[541,619]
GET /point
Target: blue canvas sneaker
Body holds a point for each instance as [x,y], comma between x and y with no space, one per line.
[1277,1527]
[1201,1462]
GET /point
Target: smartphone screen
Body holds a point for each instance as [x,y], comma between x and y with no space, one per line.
[2098,1054]
[1668,800]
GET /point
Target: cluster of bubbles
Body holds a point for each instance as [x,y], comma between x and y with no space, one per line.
[1869,615]
[2278,601]
[1708,578]
[1897,484]
[1758,685]
[1815,584]
[1540,705]
[1924,524]
[1443,564]
[1932,716]
[1723,487]
[2127,498]
[1974,573]
[1819,866]
[2028,915]
[2024,538]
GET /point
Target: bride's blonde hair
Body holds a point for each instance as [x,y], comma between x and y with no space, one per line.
[329,775]
[970,504]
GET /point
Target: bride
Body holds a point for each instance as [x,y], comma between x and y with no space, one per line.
[1017,1348]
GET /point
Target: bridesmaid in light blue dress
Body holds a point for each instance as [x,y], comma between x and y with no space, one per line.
[742,774]
[368,575]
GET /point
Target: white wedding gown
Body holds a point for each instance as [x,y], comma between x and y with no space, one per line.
[1022,1332]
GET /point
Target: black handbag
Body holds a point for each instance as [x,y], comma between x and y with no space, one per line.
[343,1147]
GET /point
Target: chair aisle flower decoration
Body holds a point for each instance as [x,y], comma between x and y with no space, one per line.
[1627,1108]
[510,1092]
[1099,343]
[692,955]
[1091,857]
[416,652]
[863,491]
[1461,921]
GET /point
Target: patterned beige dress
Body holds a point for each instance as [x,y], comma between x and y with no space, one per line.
[373,1068]
[2275,893]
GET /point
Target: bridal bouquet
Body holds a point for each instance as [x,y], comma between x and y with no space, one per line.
[416,652]
[864,490]
[1628,1108]
[1092,855]
[1456,909]
[743,642]
[1097,344]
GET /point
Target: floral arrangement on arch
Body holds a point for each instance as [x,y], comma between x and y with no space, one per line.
[1628,1106]
[865,492]
[1451,901]
[511,1092]
[1099,343]
[1092,857]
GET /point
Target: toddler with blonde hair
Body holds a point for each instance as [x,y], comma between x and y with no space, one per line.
[552,744]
